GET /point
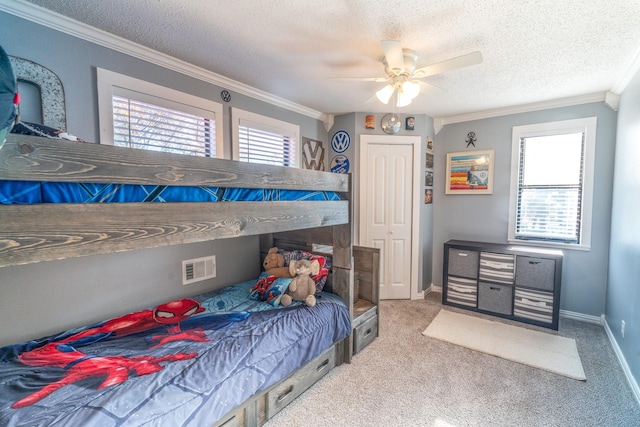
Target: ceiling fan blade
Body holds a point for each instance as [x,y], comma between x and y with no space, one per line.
[372,99]
[393,54]
[430,89]
[448,65]
[361,79]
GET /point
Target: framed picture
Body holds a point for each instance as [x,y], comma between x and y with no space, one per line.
[410,123]
[428,196]
[470,172]
[428,178]
[428,160]
[429,144]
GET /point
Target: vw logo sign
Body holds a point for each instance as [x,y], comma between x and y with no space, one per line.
[340,164]
[340,141]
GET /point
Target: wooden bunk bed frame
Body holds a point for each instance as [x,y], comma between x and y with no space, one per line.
[46,232]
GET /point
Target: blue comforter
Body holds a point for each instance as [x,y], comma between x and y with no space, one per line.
[161,372]
[28,192]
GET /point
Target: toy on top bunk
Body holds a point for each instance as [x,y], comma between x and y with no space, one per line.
[35,129]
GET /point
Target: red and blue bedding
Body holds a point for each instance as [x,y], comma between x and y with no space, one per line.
[183,363]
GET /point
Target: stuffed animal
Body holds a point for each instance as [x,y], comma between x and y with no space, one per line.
[302,287]
[274,264]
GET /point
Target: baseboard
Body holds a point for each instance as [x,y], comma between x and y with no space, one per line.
[588,318]
[623,362]
[432,288]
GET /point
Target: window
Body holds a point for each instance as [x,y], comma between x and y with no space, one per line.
[259,139]
[552,183]
[139,114]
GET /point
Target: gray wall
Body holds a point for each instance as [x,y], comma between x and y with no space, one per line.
[485,217]
[47,297]
[623,291]
[75,60]
[354,124]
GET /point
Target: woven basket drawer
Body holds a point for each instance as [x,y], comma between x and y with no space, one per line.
[462,291]
[496,267]
[463,263]
[533,305]
[536,273]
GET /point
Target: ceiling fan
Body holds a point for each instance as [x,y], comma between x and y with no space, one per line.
[403,77]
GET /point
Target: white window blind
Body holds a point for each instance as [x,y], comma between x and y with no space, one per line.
[550,188]
[552,183]
[259,139]
[138,124]
[140,114]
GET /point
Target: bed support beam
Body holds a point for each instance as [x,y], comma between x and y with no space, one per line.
[49,232]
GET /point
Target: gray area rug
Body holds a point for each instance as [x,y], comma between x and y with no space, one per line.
[406,379]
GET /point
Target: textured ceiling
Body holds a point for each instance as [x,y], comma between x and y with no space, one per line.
[533,51]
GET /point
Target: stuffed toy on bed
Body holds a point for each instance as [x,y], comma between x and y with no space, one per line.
[274,264]
[302,287]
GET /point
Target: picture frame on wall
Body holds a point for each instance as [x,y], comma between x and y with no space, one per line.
[470,172]
[428,178]
[428,196]
[428,160]
[410,123]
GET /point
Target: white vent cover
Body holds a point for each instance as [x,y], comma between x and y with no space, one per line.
[195,270]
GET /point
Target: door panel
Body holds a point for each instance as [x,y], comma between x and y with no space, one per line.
[388,215]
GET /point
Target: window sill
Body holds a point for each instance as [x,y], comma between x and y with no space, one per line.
[550,245]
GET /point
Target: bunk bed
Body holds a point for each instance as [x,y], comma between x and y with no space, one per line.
[31,233]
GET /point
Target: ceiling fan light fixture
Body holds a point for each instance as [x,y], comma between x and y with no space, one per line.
[384,94]
[411,89]
[403,99]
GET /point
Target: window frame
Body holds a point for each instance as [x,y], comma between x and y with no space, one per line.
[263,123]
[588,126]
[111,83]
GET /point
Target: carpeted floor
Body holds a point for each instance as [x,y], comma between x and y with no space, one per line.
[406,379]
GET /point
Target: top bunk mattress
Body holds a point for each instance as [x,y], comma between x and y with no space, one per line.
[30,192]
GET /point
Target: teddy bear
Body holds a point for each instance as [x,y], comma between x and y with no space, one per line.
[302,287]
[274,264]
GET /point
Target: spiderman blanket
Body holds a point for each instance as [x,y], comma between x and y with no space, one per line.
[184,363]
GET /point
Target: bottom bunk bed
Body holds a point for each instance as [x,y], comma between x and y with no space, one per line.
[218,358]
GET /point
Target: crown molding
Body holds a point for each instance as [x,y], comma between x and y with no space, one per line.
[629,72]
[440,122]
[55,21]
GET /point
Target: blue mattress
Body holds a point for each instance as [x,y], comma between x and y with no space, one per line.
[231,349]
[28,192]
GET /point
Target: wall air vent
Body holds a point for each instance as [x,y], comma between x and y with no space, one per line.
[198,269]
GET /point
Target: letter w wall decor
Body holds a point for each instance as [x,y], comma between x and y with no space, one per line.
[312,154]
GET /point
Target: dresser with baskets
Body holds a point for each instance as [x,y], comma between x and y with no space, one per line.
[514,282]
